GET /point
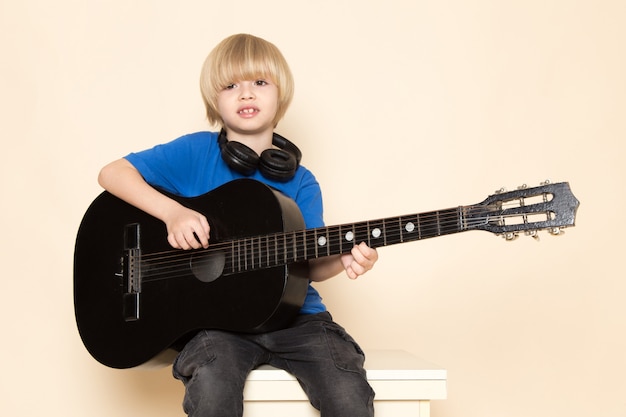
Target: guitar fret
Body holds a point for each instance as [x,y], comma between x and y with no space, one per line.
[340,239]
[258,252]
[252,253]
[393,230]
[450,222]
[294,248]
[275,250]
[419,226]
[239,255]
[288,249]
[237,259]
[300,249]
[284,245]
[304,248]
[249,254]
[384,232]
[359,233]
[245,252]
[429,227]
[285,249]
[333,242]
[315,244]
[255,252]
[312,242]
[267,250]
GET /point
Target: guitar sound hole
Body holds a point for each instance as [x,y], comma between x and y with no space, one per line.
[207,267]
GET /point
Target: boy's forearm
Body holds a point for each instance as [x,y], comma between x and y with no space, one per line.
[322,269]
[123,180]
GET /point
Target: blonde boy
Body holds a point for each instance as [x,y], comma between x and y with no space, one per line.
[247,87]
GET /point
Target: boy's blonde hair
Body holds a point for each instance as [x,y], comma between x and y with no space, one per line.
[244,57]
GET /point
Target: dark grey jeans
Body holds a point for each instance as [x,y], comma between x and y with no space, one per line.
[326,361]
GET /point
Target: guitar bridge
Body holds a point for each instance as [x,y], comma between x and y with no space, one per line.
[132,272]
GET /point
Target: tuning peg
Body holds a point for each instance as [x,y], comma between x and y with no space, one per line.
[533,234]
[500,191]
[509,236]
[522,187]
[546,182]
[554,231]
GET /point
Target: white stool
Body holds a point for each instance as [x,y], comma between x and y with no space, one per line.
[404,385]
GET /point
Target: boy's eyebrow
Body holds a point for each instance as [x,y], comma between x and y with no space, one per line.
[251,78]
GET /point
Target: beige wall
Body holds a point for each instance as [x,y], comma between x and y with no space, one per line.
[401,106]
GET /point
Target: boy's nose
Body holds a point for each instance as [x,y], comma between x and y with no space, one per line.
[246,92]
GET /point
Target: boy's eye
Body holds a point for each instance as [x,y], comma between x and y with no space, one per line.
[260,82]
[229,86]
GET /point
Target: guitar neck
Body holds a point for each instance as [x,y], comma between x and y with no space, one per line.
[547,207]
[290,247]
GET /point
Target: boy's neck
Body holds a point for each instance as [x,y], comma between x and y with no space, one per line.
[258,142]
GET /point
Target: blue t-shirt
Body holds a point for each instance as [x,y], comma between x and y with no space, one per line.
[192,165]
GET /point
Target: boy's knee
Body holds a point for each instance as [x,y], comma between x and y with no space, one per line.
[210,393]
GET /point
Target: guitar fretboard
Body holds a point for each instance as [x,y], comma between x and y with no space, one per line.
[289,247]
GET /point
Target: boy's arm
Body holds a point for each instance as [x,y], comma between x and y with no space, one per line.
[360,260]
[186,228]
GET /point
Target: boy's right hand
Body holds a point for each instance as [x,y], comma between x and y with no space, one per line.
[187,229]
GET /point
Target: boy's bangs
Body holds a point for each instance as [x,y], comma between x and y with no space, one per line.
[246,65]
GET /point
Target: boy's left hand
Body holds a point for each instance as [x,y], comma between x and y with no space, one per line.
[360,260]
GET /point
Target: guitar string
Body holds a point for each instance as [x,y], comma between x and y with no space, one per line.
[282,239]
[447,218]
[499,206]
[356,227]
[287,243]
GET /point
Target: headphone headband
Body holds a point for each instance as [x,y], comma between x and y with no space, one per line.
[276,164]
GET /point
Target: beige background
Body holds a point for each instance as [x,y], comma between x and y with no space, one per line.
[401,107]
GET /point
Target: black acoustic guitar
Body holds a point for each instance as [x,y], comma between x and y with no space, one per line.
[136,299]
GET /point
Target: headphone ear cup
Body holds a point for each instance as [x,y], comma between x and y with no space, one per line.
[287,146]
[277,164]
[240,157]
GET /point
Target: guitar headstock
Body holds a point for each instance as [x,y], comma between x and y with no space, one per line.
[550,207]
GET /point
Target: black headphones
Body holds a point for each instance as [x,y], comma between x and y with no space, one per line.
[276,164]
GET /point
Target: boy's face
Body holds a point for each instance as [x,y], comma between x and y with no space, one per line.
[249,107]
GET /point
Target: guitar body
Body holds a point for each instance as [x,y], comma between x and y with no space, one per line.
[124,327]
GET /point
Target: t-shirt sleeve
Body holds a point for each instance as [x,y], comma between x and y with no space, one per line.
[309,200]
[168,166]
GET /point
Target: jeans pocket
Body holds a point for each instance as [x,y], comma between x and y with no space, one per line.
[345,351]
